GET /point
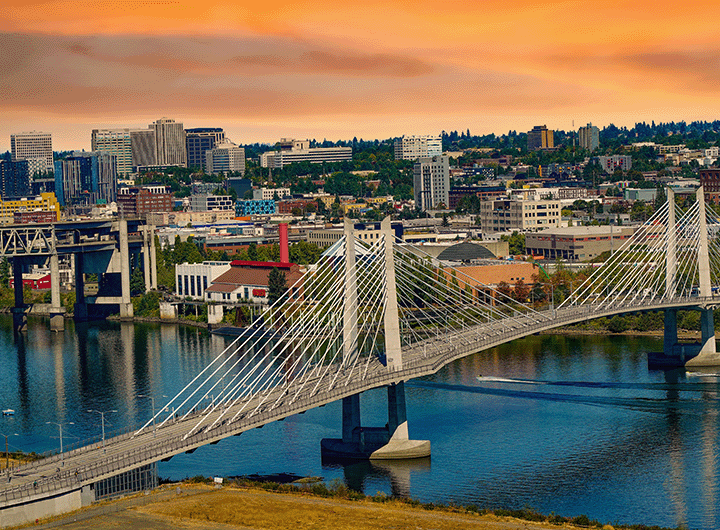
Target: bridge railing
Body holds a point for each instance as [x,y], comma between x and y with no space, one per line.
[465,341]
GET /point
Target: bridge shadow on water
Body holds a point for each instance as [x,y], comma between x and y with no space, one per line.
[364,475]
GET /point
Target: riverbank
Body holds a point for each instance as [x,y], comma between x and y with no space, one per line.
[249,506]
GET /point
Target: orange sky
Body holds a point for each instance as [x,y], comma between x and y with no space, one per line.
[369,69]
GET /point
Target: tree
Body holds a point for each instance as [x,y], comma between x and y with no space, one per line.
[4,272]
[277,285]
[521,291]
[137,282]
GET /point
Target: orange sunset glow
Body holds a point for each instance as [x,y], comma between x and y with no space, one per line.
[336,70]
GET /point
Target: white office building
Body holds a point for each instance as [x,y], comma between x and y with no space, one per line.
[116,142]
[170,143]
[205,202]
[225,157]
[192,279]
[292,151]
[36,148]
[267,194]
[431,182]
[414,147]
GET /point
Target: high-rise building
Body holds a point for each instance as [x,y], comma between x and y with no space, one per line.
[14,179]
[86,178]
[589,137]
[414,147]
[540,138]
[116,142]
[431,182]
[36,148]
[142,143]
[225,157]
[614,162]
[139,201]
[300,151]
[198,142]
[170,147]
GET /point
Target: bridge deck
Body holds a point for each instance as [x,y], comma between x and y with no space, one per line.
[89,464]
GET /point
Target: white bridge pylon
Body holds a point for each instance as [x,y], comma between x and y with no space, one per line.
[673,256]
[350,317]
[380,306]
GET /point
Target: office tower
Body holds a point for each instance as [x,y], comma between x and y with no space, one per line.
[589,137]
[169,143]
[142,144]
[86,178]
[36,148]
[198,142]
[540,138]
[225,157]
[116,142]
[431,182]
[414,147]
[300,151]
[14,179]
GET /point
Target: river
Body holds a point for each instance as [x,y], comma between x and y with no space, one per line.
[565,424]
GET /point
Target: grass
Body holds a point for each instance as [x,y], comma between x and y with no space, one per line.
[259,509]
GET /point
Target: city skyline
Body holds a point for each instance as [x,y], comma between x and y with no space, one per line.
[376,70]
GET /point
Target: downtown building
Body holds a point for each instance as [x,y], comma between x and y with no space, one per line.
[431,182]
[14,179]
[198,142]
[86,179]
[414,147]
[589,137]
[142,200]
[116,142]
[36,148]
[540,138]
[224,158]
[292,151]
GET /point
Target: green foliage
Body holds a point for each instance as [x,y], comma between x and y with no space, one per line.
[147,305]
[277,285]
[137,282]
[4,272]
[618,324]
[304,253]
[68,301]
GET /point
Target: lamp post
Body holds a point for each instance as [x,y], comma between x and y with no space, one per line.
[7,454]
[62,457]
[102,422]
[152,400]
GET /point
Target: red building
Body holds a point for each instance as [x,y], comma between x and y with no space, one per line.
[136,202]
[36,281]
[287,207]
[710,181]
[39,216]
[249,280]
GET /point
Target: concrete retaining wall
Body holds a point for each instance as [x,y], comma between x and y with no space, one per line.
[30,511]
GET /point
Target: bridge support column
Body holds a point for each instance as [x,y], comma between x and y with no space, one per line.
[57,311]
[18,311]
[81,311]
[126,308]
[351,419]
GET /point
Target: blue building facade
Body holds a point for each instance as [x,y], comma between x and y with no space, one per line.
[86,178]
[254,207]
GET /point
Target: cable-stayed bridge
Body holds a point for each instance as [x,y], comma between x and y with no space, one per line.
[374,314]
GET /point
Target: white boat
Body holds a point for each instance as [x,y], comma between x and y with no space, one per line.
[8,412]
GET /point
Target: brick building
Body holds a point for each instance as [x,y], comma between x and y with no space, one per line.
[710,181]
[138,202]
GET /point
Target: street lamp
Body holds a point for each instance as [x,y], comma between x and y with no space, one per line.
[102,421]
[62,458]
[7,453]
[152,400]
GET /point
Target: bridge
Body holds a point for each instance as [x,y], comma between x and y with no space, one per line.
[374,314]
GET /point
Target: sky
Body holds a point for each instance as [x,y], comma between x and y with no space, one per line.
[367,69]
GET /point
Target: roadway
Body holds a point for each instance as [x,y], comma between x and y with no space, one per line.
[58,474]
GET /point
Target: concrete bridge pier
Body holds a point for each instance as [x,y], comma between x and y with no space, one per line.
[57,311]
[80,311]
[126,307]
[708,355]
[19,310]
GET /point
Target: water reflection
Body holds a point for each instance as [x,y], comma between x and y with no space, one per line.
[362,475]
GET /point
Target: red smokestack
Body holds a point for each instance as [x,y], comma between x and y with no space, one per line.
[284,248]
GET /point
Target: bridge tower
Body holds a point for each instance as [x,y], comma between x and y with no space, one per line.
[708,355]
[676,354]
[392,441]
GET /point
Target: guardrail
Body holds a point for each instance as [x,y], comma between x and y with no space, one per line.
[422,358]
